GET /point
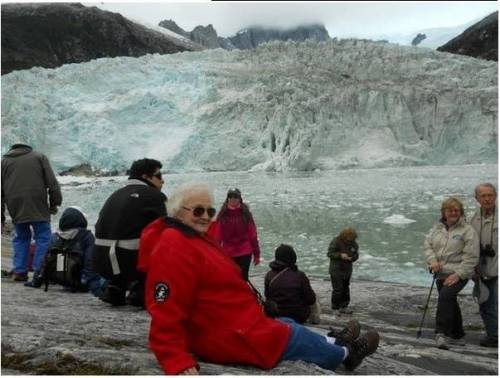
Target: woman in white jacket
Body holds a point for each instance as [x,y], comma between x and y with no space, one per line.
[452,252]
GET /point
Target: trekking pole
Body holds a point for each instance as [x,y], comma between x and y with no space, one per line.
[419,332]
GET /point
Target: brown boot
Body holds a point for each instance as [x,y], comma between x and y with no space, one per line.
[360,348]
[23,277]
[348,334]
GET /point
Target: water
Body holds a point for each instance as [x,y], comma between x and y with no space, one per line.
[308,209]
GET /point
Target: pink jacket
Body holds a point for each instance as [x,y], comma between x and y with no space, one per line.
[236,236]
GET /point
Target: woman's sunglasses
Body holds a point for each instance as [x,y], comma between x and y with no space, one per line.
[198,211]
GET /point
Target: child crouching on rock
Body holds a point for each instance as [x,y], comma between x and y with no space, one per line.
[73,239]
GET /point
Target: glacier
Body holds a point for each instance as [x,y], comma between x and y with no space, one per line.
[283,106]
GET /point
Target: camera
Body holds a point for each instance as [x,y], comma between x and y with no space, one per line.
[487,250]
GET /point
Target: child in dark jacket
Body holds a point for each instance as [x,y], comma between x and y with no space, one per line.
[343,251]
[73,226]
[289,287]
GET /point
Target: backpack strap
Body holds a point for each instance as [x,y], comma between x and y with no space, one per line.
[277,275]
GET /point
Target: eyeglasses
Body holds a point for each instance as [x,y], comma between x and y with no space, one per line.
[157,175]
[198,211]
[233,196]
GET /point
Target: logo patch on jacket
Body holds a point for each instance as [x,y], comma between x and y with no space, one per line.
[161,292]
[458,237]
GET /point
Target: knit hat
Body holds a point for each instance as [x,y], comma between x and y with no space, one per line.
[72,217]
[285,254]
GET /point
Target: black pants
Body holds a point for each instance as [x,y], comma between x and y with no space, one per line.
[340,289]
[448,314]
[244,263]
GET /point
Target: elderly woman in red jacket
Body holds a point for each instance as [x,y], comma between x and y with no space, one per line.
[235,230]
[200,305]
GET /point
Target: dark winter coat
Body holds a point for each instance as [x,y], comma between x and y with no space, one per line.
[124,215]
[73,226]
[290,289]
[26,178]
[337,264]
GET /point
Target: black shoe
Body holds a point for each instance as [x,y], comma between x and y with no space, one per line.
[489,342]
[348,334]
[21,277]
[113,295]
[360,348]
[136,294]
[36,282]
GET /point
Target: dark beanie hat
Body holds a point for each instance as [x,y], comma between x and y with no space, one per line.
[72,217]
[285,254]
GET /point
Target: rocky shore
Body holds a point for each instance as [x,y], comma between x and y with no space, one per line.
[55,332]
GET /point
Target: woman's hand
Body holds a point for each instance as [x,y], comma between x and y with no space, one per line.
[436,266]
[451,280]
[256,261]
[345,256]
[190,371]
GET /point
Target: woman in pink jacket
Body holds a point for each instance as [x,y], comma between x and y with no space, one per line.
[235,230]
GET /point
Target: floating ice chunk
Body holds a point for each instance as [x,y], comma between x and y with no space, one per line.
[409,264]
[398,219]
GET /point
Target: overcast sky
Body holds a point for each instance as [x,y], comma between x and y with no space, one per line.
[341,19]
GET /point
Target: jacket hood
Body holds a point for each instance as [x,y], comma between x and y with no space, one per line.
[18,150]
[72,217]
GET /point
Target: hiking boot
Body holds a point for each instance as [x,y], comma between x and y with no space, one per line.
[347,335]
[442,341]
[136,295]
[36,282]
[22,277]
[489,342]
[457,342]
[113,295]
[360,348]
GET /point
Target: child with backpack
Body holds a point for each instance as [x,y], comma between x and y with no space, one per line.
[68,261]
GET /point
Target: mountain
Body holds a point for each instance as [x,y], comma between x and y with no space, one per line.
[52,34]
[480,40]
[248,38]
[281,106]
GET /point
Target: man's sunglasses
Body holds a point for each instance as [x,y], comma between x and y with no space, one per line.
[198,211]
[157,175]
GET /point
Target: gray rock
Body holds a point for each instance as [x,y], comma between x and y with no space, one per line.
[56,332]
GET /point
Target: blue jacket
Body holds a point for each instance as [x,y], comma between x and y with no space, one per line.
[73,225]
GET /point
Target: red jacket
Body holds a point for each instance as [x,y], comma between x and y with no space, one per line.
[200,305]
[237,237]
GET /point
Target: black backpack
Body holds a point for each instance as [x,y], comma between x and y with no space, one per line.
[63,264]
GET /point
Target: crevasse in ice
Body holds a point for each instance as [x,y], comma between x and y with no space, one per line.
[283,106]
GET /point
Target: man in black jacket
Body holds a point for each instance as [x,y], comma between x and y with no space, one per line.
[118,229]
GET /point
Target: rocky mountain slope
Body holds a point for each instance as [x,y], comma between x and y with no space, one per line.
[56,332]
[248,38]
[480,40]
[52,34]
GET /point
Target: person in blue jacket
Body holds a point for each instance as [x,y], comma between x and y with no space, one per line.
[73,225]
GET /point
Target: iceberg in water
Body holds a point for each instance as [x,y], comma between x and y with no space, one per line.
[398,219]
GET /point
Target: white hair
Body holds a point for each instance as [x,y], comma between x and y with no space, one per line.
[179,195]
[484,185]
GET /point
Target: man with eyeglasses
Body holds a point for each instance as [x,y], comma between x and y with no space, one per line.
[121,220]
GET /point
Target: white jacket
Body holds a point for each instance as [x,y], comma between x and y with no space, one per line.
[456,248]
[488,266]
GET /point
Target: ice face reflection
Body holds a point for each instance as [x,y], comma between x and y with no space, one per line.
[392,209]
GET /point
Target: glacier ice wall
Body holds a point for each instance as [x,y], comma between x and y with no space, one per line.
[282,106]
